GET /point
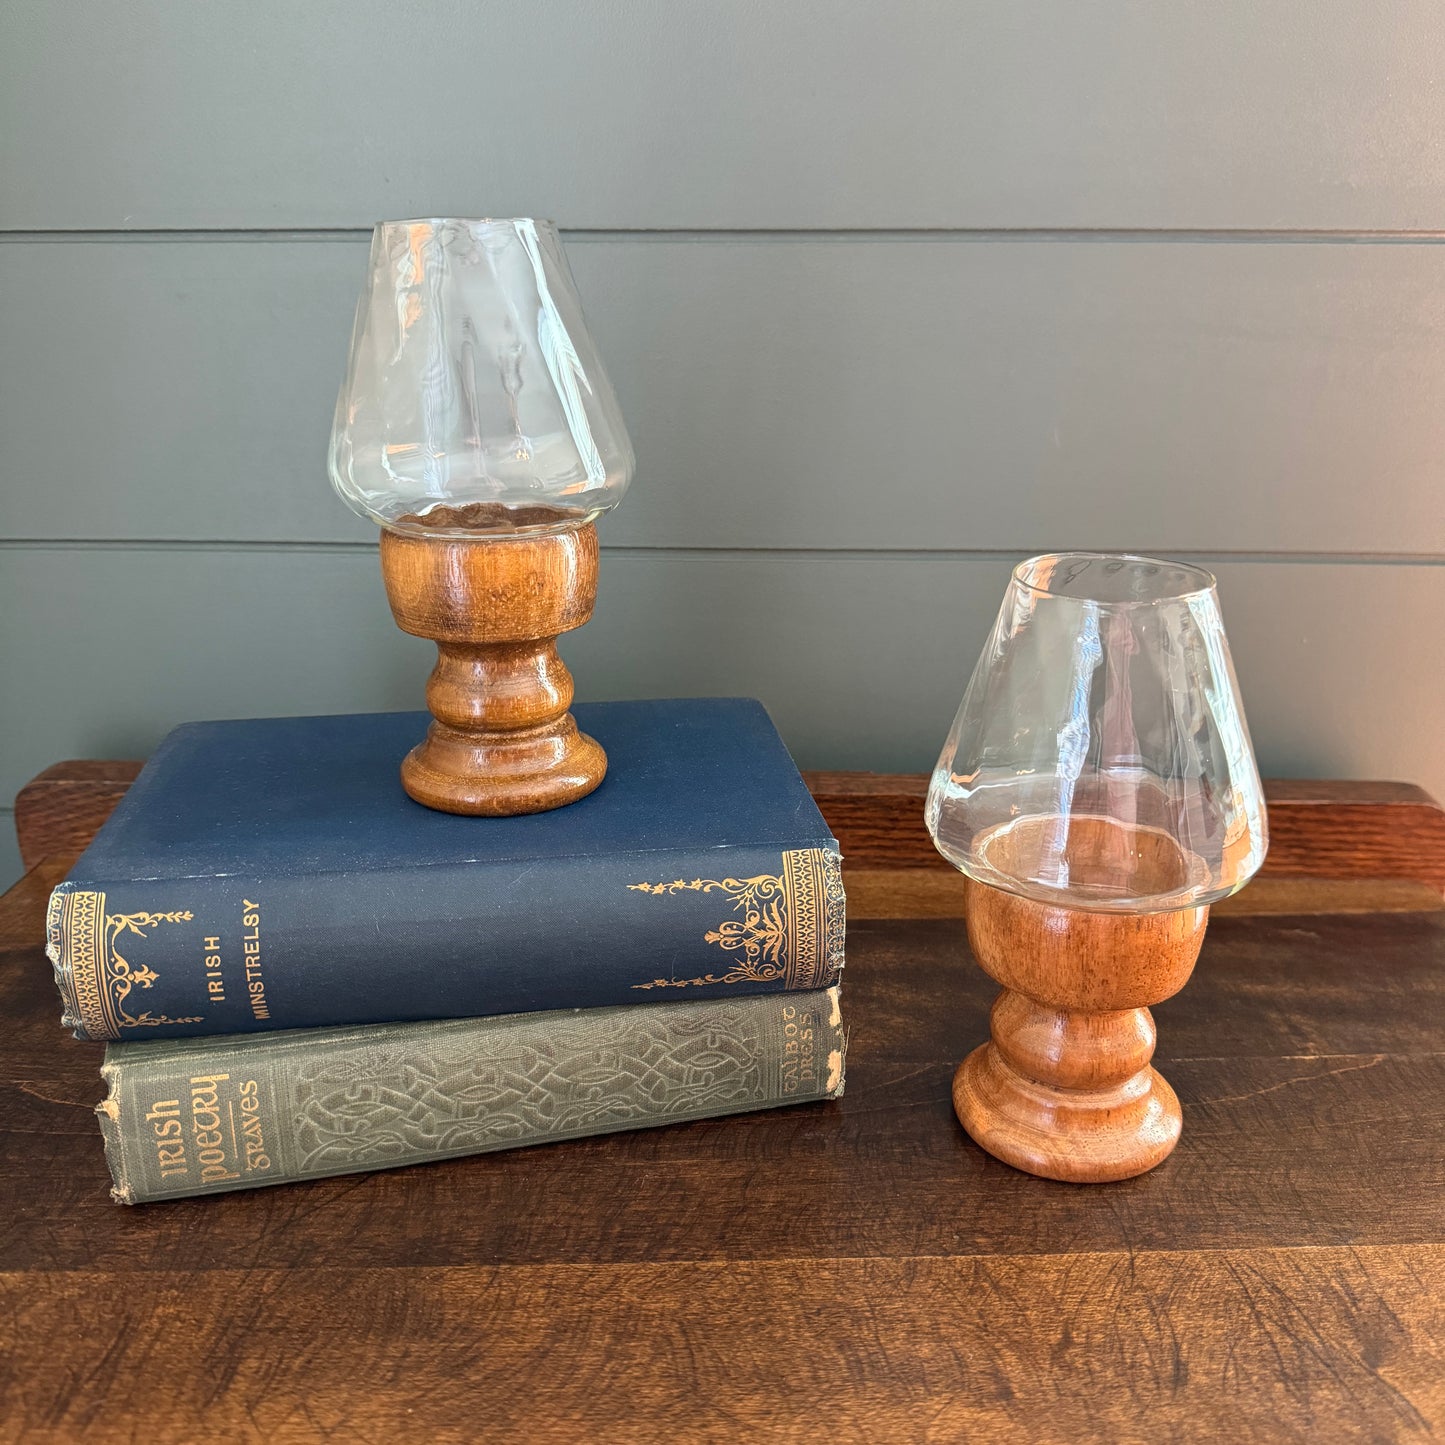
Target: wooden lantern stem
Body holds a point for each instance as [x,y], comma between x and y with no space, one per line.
[502,741]
[479,685]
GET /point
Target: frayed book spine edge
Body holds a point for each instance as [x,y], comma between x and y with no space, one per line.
[108,1112]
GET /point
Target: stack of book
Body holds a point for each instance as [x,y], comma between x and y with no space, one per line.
[301,972]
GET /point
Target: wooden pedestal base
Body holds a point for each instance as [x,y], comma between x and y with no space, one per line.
[502,741]
[1068,1095]
[1065,1088]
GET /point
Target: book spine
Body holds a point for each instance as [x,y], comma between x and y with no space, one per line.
[217,955]
[212,1115]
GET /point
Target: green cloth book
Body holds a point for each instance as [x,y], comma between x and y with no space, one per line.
[203,1116]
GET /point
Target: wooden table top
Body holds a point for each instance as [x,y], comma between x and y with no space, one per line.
[857,1270]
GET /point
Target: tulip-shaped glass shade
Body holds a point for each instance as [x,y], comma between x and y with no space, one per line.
[1100,758]
[474,400]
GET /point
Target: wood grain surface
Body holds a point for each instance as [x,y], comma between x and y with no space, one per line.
[60,810]
[854,1271]
[1231,1345]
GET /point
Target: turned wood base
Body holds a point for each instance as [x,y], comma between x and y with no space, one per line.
[484,775]
[502,742]
[1065,1088]
[1068,1096]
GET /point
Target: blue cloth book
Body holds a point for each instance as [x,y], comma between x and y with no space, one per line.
[272,874]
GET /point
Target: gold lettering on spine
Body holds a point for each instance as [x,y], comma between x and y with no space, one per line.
[800,1049]
[206,1129]
[215,980]
[165,1121]
[254,1139]
[251,948]
[787,926]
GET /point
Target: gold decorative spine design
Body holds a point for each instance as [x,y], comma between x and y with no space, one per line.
[787,926]
[94,977]
[813,885]
[72,944]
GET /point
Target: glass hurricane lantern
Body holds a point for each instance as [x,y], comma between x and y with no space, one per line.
[477,427]
[1098,791]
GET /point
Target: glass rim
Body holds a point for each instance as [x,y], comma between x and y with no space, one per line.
[471,222]
[1206,580]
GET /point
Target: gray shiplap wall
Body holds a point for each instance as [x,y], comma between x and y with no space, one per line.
[892,295]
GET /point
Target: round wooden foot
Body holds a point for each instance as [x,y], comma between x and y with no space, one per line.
[500,775]
[1068,1096]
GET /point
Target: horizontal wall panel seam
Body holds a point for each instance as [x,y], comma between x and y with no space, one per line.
[1083,234]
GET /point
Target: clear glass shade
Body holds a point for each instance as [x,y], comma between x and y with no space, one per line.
[1100,758]
[474,398]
